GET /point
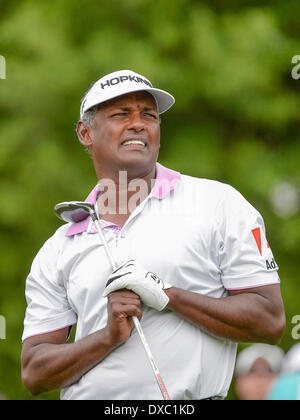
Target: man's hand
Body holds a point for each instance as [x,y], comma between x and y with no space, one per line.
[122,306]
[146,284]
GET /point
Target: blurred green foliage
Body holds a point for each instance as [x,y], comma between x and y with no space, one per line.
[236,118]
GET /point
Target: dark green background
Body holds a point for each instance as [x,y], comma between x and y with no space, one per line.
[236,118]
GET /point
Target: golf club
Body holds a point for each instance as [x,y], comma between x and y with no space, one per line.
[75,211]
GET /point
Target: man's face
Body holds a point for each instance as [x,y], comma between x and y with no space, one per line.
[126,134]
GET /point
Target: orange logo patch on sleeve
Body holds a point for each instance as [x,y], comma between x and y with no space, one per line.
[257,237]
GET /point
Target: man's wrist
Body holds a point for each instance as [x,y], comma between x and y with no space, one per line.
[171,293]
[107,341]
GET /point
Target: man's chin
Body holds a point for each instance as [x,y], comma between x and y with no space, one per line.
[138,165]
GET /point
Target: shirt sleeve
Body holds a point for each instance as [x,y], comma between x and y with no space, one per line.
[48,308]
[245,257]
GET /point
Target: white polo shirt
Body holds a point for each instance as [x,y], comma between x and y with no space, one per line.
[197,234]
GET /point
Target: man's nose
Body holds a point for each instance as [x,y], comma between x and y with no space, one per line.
[136,123]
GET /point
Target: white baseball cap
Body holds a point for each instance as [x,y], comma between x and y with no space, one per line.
[119,83]
[246,358]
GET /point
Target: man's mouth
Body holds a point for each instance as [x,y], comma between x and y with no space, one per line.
[134,142]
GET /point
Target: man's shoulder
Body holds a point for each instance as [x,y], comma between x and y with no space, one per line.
[61,232]
[56,241]
[211,186]
[211,192]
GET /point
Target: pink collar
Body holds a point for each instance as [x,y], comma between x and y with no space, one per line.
[166,181]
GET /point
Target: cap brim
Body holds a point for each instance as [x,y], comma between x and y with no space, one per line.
[164,100]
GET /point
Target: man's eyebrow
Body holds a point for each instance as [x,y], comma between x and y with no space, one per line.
[128,108]
[150,108]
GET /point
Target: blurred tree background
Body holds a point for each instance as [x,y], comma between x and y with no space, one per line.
[236,119]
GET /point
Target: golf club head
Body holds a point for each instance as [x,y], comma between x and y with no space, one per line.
[74,211]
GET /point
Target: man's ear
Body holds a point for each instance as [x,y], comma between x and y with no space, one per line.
[83,134]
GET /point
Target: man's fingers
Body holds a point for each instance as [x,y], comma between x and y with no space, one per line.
[121,311]
[123,296]
[124,303]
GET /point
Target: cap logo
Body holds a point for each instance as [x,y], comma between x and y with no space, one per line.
[120,83]
[121,79]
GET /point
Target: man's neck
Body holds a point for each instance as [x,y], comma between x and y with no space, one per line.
[121,193]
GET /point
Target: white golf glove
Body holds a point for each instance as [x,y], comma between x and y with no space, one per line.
[144,283]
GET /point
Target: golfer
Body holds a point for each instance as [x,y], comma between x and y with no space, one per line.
[193,265]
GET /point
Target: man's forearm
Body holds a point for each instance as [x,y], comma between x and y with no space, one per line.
[55,366]
[49,363]
[247,317]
